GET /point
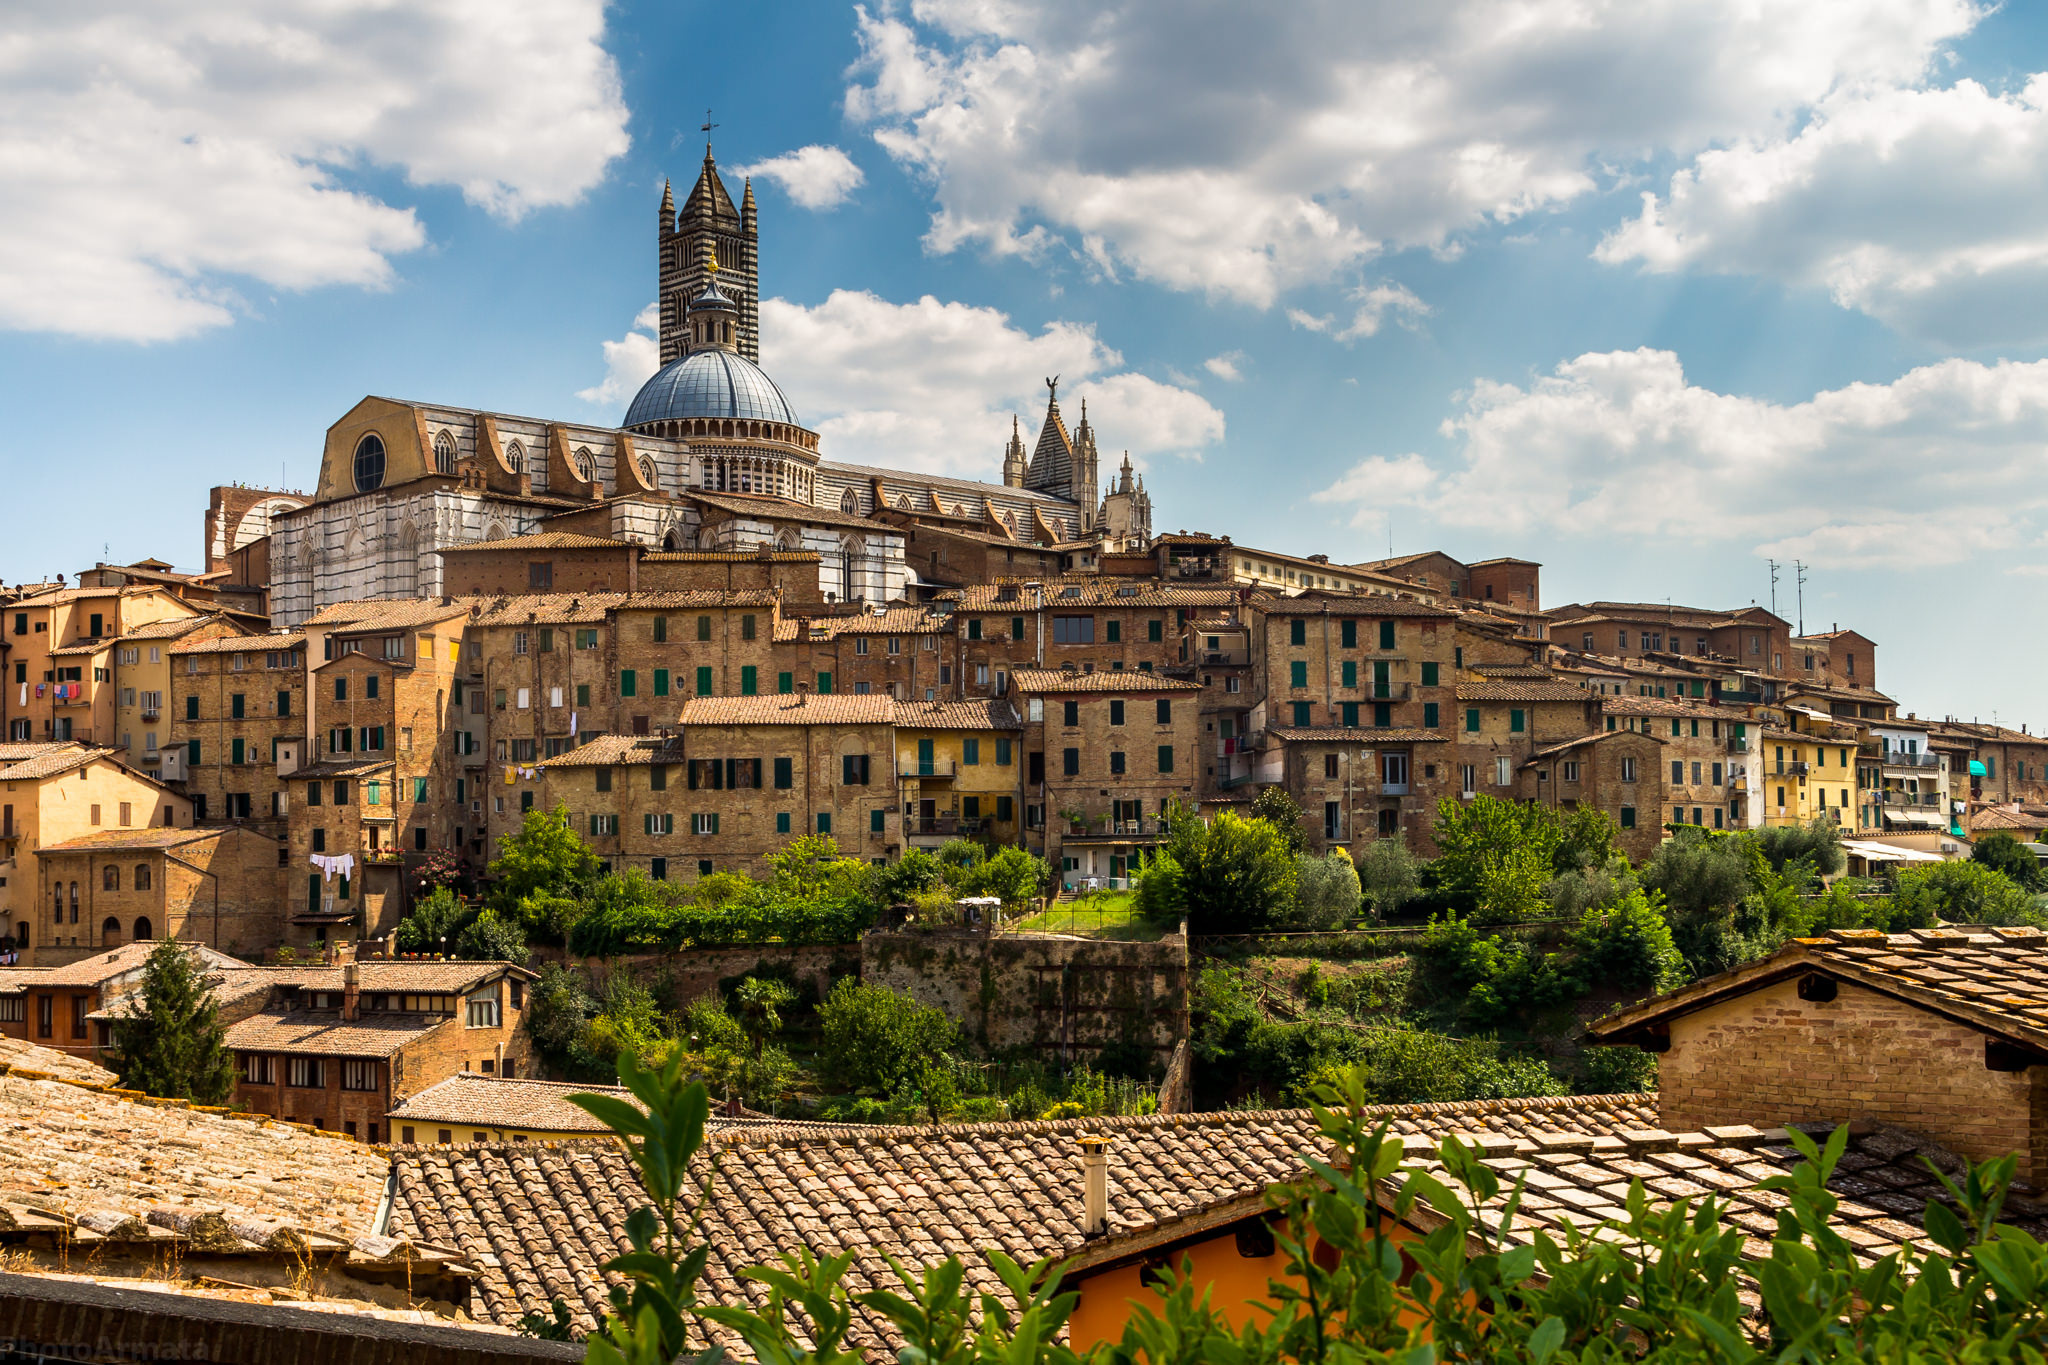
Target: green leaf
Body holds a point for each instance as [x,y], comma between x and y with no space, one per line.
[1544,1341]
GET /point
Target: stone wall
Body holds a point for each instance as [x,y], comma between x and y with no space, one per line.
[697,971]
[1042,991]
[1768,1057]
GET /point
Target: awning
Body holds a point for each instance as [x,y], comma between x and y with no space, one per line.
[1917,817]
[1887,853]
[1976,768]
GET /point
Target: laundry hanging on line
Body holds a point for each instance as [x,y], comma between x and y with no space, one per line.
[338,864]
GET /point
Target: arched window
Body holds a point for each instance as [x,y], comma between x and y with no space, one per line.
[671,542]
[369,464]
[110,878]
[515,457]
[141,879]
[57,908]
[586,468]
[74,902]
[142,933]
[648,474]
[849,501]
[21,935]
[110,933]
[444,453]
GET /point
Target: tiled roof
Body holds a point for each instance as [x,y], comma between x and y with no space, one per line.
[151,837]
[1354,734]
[129,957]
[837,708]
[495,1103]
[21,751]
[52,763]
[351,617]
[244,644]
[699,597]
[1995,818]
[98,645]
[1310,605]
[609,750]
[1992,979]
[1108,680]
[545,540]
[1522,691]
[1064,593]
[67,1150]
[167,630]
[1664,706]
[730,556]
[783,509]
[957,715]
[1522,671]
[1595,737]
[893,621]
[376,974]
[1798,688]
[18,1056]
[322,1033]
[1217,624]
[344,768]
[548,1216]
[548,609]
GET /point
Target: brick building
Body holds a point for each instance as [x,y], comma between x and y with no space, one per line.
[70,1007]
[337,809]
[1353,661]
[960,766]
[617,790]
[58,652]
[1105,755]
[899,651]
[222,886]
[233,700]
[143,715]
[1706,757]
[1350,784]
[1620,772]
[339,1047]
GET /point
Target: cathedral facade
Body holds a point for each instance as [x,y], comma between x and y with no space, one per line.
[712,455]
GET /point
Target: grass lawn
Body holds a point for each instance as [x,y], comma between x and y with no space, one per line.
[1107,914]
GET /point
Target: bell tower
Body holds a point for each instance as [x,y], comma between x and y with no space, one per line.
[709,227]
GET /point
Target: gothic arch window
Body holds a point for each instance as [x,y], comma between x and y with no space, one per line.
[1010,520]
[444,453]
[110,878]
[849,501]
[673,541]
[495,531]
[141,880]
[369,464]
[585,466]
[903,501]
[142,933]
[648,474]
[405,565]
[515,458]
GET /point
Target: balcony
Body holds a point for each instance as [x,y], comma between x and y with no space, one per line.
[1731,697]
[939,827]
[1897,800]
[1388,691]
[1792,769]
[1148,827]
[1893,758]
[1215,657]
[1738,744]
[1226,783]
[150,715]
[931,769]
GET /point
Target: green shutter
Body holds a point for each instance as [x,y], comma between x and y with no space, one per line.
[1386,635]
[1471,720]
[704,680]
[974,628]
[1350,671]
[628,685]
[783,776]
[824,684]
[1350,714]
[785,683]
[1297,631]
[1166,758]
[749,680]
[1429,675]
[1429,715]
[660,682]
[782,822]
[876,820]
[824,822]
[1297,673]
[1515,722]
[192,752]
[236,748]
[583,694]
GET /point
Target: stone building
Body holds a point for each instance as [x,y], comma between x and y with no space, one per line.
[1106,754]
[1618,772]
[960,766]
[59,651]
[143,719]
[1706,757]
[234,702]
[222,886]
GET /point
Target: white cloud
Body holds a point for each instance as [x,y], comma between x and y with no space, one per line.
[157,158]
[1246,158]
[1927,209]
[1617,445]
[813,177]
[1229,365]
[628,362]
[933,386]
[1374,303]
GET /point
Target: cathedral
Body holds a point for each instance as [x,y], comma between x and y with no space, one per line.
[712,456]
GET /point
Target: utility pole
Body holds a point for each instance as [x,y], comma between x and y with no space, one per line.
[1801,570]
[1774,585]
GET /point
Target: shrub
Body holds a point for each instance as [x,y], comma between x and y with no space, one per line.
[874,1039]
[1616,1071]
[1235,874]
[1012,875]
[2001,852]
[1388,876]
[488,938]
[1961,893]
[1496,856]
[1327,891]
[1698,874]
[1627,944]
[1818,842]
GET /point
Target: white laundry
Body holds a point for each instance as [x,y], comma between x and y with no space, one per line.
[339,864]
[572,725]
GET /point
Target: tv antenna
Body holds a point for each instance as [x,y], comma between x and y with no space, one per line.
[1801,568]
[1774,585]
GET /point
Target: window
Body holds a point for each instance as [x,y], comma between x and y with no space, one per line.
[1516,722]
[785,683]
[1070,762]
[782,822]
[1628,770]
[878,821]
[1166,758]
[586,639]
[1501,772]
[629,683]
[1116,762]
[1571,770]
[604,824]
[824,684]
[1297,673]
[1429,715]
[369,465]
[1113,631]
[358,1075]
[1073,630]
[783,775]
[657,868]
[1386,635]
[482,1008]
[824,822]
[192,707]
[1468,780]
[540,577]
[1116,711]
[853,770]
[1628,814]
[1297,631]
[1070,713]
[704,822]
[970,751]
[660,629]
[303,1072]
[1002,753]
[1471,720]
[257,1069]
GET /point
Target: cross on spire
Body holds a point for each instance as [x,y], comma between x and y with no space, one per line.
[705,128]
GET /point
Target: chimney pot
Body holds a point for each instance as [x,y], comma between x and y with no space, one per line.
[1094,1184]
[351,993]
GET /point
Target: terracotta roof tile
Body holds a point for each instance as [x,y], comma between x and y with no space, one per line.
[1354,734]
[957,715]
[1064,593]
[893,621]
[18,1056]
[1109,680]
[611,750]
[52,763]
[167,630]
[1522,691]
[783,509]
[730,556]
[323,1033]
[1310,604]
[837,708]
[21,751]
[548,609]
[493,1102]
[244,644]
[398,614]
[545,540]
[154,836]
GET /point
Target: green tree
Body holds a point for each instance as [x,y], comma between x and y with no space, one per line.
[2001,852]
[1628,945]
[1388,876]
[1326,891]
[1960,893]
[1234,874]
[1496,856]
[491,938]
[760,1001]
[1280,810]
[435,924]
[542,860]
[173,1044]
[1585,839]
[1012,875]
[1818,842]
[1699,874]
[875,1039]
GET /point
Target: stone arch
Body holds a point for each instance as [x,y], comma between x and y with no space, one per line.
[515,456]
[849,501]
[583,463]
[495,531]
[142,929]
[110,933]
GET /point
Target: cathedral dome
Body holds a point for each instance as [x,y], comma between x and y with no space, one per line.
[710,383]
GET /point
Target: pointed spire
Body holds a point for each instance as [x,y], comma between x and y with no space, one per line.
[747,199]
[668,197]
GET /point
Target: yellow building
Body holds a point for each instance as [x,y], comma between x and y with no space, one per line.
[60,659]
[961,771]
[470,1107]
[1798,777]
[142,684]
[52,793]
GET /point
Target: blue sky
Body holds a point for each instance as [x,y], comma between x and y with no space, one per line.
[1351,273]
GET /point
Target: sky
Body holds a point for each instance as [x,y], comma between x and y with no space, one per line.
[1654,292]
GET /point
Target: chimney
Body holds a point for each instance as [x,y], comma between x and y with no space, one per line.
[1094,1184]
[351,993]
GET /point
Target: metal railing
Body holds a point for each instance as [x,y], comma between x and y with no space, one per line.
[1895,758]
[941,826]
[936,767]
